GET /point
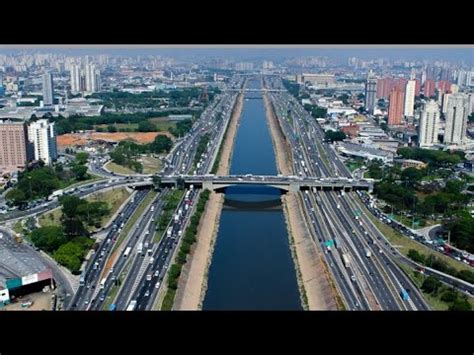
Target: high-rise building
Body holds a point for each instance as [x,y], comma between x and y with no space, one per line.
[444,86]
[92,76]
[417,87]
[75,78]
[15,150]
[454,89]
[456,119]
[409,98]
[429,88]
[429,125]
[384,87]
[370,93]
[445,100]
[395,108]
[48,93]
[42,135]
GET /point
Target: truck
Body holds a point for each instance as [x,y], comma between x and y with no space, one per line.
[368,253]
[140,248]
[169,232]
[345,259]
[127,252]
[56,193]
[102,283]
[132,305]
[152,208]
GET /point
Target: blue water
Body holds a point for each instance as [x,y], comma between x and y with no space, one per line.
[252,267]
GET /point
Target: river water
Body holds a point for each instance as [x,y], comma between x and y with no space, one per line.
[252,267]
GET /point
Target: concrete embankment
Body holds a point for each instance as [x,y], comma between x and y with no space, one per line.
[313,279]
[192,284]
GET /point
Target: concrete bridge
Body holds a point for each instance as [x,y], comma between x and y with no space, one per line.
[283,183]
[257,90]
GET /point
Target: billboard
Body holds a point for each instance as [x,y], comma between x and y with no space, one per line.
[26,280]
[13,283]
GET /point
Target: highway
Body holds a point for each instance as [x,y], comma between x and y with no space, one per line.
[94,267]
[142,273]
[375,281]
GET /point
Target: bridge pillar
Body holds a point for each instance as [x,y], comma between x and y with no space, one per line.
[294,187]
[208,185]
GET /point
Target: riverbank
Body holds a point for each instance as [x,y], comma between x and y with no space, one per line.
[315,288]
[192,284]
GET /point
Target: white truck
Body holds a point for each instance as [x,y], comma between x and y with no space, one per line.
[140,248]
[132,305]
[368,253]
[346,259]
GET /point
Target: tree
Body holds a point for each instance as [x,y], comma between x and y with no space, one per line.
[81,158]
[161,144]
[335,136]
[80,171]
[415,256]
[70,255]
[411,176]
[48,238]
[431,284]
[449,296]
[111,129]
[460,305]
[17,197]
[146,126]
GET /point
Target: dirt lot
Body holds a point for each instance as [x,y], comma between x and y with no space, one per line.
[72,139]
[41,302]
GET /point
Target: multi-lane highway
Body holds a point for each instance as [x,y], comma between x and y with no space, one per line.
[367,278]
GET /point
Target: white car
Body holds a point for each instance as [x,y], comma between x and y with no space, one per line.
[157,285]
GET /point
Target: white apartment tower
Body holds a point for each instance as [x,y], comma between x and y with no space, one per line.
[409,98]
[429,125]
[456,119]
[42,136]
[75,78]
[92,78]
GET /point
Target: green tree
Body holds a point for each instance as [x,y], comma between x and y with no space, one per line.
[415,256]
[431,285]
[16,196]
[146,126]
[80,171]
[161,144]
[335,136]
[48,238]
[460,304]
[111,129]
[81,158]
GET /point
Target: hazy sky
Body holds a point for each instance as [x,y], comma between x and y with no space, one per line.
[453,54]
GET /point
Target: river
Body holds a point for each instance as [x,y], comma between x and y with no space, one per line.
[252,267]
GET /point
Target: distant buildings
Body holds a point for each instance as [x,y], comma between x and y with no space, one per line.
[395,109]
[370,93]
[15,151]
[42,136]
[429,125]
[321,80]
[409,98]
[456,119]
[48,93]
[85,80]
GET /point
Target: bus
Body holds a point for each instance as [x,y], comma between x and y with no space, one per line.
[404,295]
[102,283]
[132,305]
[127,251]
[82,279]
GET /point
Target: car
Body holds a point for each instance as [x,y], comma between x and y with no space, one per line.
[157,285]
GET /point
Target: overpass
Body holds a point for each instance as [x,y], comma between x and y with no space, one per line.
[283,183]
[256,90]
